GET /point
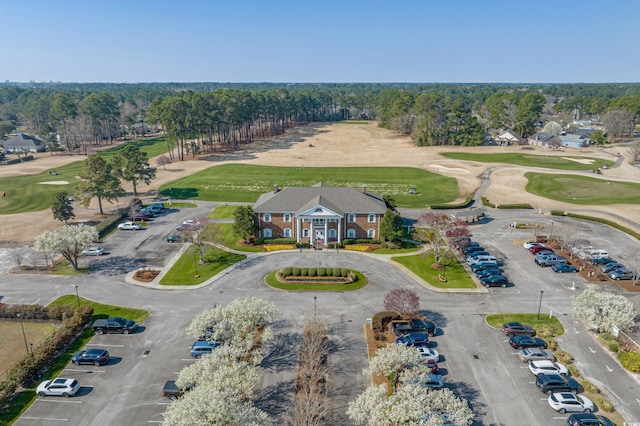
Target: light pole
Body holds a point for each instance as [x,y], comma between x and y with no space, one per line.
[24,335]
[77,297]
[540,304]
[315,306]
[195,261]
[33,360]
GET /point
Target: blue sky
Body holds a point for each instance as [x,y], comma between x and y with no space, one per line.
[540,41]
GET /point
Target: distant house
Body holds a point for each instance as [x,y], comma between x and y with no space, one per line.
[319,214]
[576,140]
[547,140]
[508,137]
[23,142]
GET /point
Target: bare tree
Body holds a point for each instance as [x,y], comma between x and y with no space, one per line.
[403,301]
[163,161]
[17,255]
[618,122]
[634,149]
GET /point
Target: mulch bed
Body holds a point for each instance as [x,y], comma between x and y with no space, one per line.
[145,276]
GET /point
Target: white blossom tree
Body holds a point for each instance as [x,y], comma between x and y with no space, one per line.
[440,232]
[68,240]
[46,245]
[391,360]
[410,405]
[603,310]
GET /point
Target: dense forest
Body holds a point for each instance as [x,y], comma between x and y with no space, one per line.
[205,117]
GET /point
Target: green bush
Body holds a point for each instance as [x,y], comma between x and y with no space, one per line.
[604,404]
[515,206]
[344,272]
[564,357]
[630,361]
[589,387]
[110,222]
[312,272]
[305,272]
[613,347]
[14,161]
[487,203]
[462,205]
[557,213]
[286,271]
[574,371]
[336,272]
[295,272]
[321,272]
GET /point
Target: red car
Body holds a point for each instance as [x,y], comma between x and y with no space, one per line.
[139,217]
[536,249]
[433,366]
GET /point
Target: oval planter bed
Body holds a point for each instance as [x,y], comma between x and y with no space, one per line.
[293,280]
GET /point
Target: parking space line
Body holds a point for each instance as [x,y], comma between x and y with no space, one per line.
[44,418]
[188,359]
[164,403]
[155,421]
[110,346]
[59,401]
[84,371]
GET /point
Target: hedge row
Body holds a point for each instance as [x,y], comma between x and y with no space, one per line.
[275,241]
[465,203]
[606,222]
[59,313]
[110,222]
[630,361]
[557,213]
[487,203]
[314,272]
[516,206]
[28,369]
[348,241]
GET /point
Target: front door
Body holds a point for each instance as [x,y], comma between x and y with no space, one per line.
[320,237]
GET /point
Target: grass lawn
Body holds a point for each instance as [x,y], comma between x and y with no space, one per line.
[244,183]
[223,212]
[12,346]
[272,281]
[27,193]
[532,160]
[496,320]
[583,190]
[183,272]
[420,265]
[101,310]
[228,239]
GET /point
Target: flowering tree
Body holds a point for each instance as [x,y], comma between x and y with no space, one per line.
[68,240]
[440,232]
[403,301]
[411,404]
[391,360]
[603,310]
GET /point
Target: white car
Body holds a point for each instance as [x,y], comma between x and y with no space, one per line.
[129,226]
[59,386]
[429,354]
[564,402]
[544,366]
[93,251]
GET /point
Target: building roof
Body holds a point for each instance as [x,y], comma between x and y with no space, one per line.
[341,200]
[542,137]
[22,139]
[574,138]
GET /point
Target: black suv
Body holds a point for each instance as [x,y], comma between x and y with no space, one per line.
[550,383]
[423,326]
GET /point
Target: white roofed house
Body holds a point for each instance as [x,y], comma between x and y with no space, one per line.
[319,214]
[508,137]
[547,140]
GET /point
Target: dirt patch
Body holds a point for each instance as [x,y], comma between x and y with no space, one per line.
[146,276]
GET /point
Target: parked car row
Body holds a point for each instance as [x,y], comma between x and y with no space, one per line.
[144,215]
[487,267]
[552,378]
[545,257]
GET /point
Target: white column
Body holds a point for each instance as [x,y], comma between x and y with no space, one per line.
[326,232]
[298,229]
[339,230]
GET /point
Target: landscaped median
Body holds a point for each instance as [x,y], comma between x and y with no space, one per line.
[187,270]
[548,328]
[316,279]
[454,276]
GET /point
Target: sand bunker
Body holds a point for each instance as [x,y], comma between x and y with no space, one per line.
[448,169]
[55,182]
[580,160]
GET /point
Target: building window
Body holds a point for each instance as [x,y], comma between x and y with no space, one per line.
[305,233]
[267,232]
[351,233]
[287,233]
[332,233]
[333,220]
[371,233]
[286,217]
[266,217]
[371,218]
[351,218]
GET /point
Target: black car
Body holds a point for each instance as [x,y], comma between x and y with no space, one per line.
[523,341]
[467,251]
[602,260]
[588,419]
[513,328]
[423,326]
[481,266]
[495,281]
[91,356]
[488,272]
[550,383]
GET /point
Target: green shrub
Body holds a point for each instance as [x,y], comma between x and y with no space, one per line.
[305,272]
[110,222]
[515,206]
[321,272]
[589,387]
[557,213]
[286,271]
[630,361]
[487,203]
[564,357]
[613,347]
[552,344]
[604,404]
[336,272]
[344,272]
[462,205]
[295,272]
[313,272]
[574,371]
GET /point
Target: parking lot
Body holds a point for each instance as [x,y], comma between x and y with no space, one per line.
[478,361]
